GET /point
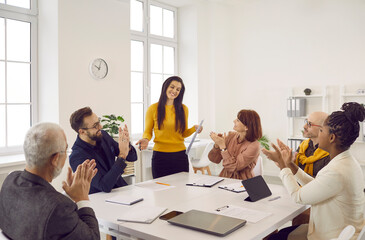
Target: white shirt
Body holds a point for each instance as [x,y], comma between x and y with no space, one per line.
[336,196]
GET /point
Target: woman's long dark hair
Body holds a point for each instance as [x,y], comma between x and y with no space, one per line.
[179,110]
[345,124]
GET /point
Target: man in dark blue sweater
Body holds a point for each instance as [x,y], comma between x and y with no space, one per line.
[94,143]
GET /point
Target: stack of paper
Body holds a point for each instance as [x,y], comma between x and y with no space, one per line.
[141,214]
[129,169]
[124,199]
[234,187]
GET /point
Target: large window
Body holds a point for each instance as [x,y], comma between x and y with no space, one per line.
[153,55]
[18,72]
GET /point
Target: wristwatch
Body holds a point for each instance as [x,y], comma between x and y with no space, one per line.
[123,160]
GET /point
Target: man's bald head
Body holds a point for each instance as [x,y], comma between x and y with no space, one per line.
[317,118]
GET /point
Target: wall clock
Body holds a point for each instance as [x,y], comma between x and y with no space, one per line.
[98,68]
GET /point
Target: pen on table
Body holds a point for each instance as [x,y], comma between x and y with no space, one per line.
[221,208]
[274,198]
[163,183]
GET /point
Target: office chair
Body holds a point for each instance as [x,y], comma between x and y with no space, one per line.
[202,164]
[258,169]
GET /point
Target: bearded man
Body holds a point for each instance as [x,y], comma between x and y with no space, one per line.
[94,143]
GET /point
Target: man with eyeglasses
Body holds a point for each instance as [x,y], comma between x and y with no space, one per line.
[94,143]
[309,157]
[30,208]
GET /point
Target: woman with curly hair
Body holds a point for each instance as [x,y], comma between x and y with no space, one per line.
[336,194]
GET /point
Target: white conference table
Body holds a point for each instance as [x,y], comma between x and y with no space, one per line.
[184,198]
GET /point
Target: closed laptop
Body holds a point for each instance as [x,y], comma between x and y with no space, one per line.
[208,222]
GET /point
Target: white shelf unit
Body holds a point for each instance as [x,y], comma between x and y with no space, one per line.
[323,97]
[354,97]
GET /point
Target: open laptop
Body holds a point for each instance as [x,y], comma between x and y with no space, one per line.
[208,222]
[256,188]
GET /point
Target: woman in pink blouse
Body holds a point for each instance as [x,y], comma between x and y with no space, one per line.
[239,150]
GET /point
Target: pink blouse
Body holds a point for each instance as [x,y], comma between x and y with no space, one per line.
[239,159]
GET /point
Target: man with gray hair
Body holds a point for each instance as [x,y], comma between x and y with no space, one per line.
[30,208]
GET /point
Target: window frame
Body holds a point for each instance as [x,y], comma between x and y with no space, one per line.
[173,9]
[25,15]
[32,11]
[147,40]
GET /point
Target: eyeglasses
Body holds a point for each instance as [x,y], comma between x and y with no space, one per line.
[95,126]
[309,124]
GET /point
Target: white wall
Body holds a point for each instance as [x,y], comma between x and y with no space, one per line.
[205,53]
[48,95]
[90,29]
[188,58]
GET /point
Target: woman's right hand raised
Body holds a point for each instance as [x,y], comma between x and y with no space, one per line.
[219,139]
[143,143]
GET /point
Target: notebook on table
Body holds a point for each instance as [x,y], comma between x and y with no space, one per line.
[124,199]
[141,214]
[207,222]
[206,181]
[256,188]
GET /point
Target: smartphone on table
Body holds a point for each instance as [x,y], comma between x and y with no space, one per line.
[170,215]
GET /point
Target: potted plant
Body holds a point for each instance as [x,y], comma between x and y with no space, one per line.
[111,124]
[264,141]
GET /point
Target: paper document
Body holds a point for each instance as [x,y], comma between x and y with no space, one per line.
[194,136]
[206,181]
[250,215]
[124,199]
[141,214]
[154,185]
[234,187]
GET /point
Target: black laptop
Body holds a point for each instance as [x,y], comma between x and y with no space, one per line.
[208,222]
[256,188]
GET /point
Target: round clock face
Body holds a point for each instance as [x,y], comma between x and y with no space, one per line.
[98,68]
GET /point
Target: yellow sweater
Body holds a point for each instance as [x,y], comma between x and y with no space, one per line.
[167,139]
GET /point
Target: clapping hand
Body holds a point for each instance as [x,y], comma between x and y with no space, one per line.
[123,142]
[219,139]
[281,155]
[287,153]
[77,185]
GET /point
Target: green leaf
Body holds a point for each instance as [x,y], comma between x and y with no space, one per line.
[264,141]
[106,116]
[120,118]
[114,129]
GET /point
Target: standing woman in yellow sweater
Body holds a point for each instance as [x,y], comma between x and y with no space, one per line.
[168,118]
